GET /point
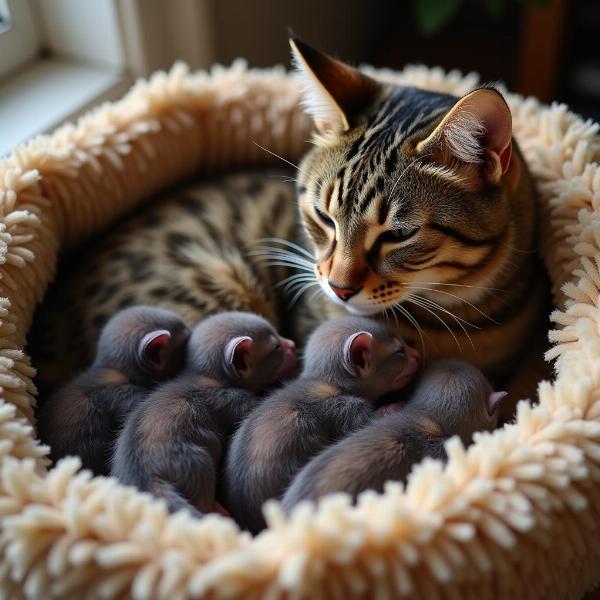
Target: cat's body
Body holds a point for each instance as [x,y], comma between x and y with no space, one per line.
[463,235]
[191,253]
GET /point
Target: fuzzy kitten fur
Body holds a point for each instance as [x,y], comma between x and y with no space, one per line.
[451,398]
[173,443]
[350,362]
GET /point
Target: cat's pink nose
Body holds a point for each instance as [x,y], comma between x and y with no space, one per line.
[344,293]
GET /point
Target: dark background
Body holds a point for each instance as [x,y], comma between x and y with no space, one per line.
[547,48]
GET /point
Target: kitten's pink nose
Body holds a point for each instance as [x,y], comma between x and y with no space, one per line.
[288,361]
[413,353]
[287,344]
[344,293]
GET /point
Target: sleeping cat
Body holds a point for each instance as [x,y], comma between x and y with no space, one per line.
[418,208]
[420,204]
[194,252]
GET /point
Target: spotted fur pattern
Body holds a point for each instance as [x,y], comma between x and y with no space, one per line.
[192,252]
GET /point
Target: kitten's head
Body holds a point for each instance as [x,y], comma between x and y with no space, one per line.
[146,343]
[361,356]
[240,349]
[458,397]
[403,187]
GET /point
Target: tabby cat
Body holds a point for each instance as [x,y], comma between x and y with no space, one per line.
[195,251]
[418,208]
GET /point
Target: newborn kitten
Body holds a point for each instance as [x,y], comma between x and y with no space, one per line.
[350,362]
[451,398]
[138,348]
[173,443]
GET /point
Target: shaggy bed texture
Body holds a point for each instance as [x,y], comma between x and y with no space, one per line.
[517,515]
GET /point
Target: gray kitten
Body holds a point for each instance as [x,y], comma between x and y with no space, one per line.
[451,398]
[138,348]
[350,362]
[173,443]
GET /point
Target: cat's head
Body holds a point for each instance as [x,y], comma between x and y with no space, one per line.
[403,187]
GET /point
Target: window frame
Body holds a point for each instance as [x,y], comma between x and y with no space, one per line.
[19,40]
[138,38]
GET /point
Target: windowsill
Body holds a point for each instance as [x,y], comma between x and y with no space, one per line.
[50,92]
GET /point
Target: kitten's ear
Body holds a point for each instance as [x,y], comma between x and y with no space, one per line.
[358,354]
[154,348]
[474,139]
[237,356]
[493,402]
[334,92]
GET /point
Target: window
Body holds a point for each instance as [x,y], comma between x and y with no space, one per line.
[59,57]
[19,41]
[4,16]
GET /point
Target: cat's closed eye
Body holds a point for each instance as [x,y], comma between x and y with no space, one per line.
[326,219]
[398,235]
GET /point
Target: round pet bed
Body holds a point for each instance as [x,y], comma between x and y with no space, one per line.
[517,515]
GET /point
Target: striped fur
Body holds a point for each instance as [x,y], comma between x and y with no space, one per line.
[460,264]
[193,252]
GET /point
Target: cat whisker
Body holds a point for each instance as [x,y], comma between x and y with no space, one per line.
[281,263]
[290,259]
[301,291]
[289,256]
[385,313]
[292,286]
[294,277]
[459,321]
[292,245]
[519,250]
[465,285]
[275,155]
[295,284]
[387,309]
[281,253]
[284,178]
[289,282]
[318,291]
[298,289]
[413,321]
[449,313]
[422,305]
[425,289]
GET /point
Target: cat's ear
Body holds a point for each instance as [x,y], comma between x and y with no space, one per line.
[358,354]
[334,92]
[474,139]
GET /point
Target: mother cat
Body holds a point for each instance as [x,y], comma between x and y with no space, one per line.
[418,206]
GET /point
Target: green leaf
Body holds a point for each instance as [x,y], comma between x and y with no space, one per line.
[432,15]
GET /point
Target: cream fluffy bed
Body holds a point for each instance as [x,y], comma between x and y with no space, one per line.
[517,515]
